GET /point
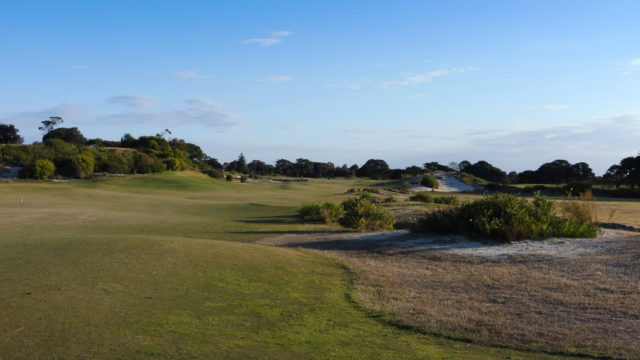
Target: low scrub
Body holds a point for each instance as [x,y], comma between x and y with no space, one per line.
[504,218]
[426,198]
[583,209]
[327,212]
[363,214]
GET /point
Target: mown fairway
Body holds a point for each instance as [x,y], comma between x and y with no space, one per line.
[163,267]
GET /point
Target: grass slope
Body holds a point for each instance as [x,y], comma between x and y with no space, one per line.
[132,268]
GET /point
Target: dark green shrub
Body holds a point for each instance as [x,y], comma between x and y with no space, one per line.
[229,178]
[327,212]
[243,178]
[446,200]
[214,173]
[429,181]
[421,197]
[404,186]
[505,218]
[363,214]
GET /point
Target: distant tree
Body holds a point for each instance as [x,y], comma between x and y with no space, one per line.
[285,167]
[128,141]
[513,177]
[304,167]
[435,166]
[48,125]
[414,170]
[374,169]
[627,172]
[453,166]
[213,162]
[463,164]
[260,167]
[9,135]
[343,171]
[555,172]
[241,166]
[486,171]
[582,172]
[69,135]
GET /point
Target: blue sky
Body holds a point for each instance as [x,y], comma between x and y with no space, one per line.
[515,83]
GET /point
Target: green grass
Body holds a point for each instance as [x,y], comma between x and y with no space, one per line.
[162,266]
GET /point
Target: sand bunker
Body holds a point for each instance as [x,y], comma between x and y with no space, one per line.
[447,182]
[453,244]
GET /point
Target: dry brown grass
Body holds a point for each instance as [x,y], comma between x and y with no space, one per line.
[585,304]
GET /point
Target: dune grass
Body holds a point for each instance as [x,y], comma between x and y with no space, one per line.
[162,266]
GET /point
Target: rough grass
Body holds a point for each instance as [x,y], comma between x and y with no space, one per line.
[585,304]
[133,268]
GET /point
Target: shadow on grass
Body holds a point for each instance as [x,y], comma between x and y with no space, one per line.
[279,219]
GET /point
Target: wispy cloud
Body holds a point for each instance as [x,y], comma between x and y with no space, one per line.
[275,38]
[133,100]
[416,96]
[418,79]
[590,141]
[635,62]
[205,112]
[276,79]
[289,125]
[79,67]
[556,107]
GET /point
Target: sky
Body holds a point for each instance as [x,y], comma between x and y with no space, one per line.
[514,83]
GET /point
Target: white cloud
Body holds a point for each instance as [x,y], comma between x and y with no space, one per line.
[635,62]
[275,38]
[555,107]
[133,100]
[276,78]
[79,67]
[418,79]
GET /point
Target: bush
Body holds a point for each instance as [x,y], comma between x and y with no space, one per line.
[446,200]
[421,197]
[363,214]
[43,169]
[229,178]
[426,198]
[504,218]
[404,186]
[583,210]
[243,178]
[214,173]
[429,181]
[327,212]
[83,165]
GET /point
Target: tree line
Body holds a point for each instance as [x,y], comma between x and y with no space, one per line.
[71,154]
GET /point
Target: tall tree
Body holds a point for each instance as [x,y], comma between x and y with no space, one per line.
[48,125]
[9,135]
